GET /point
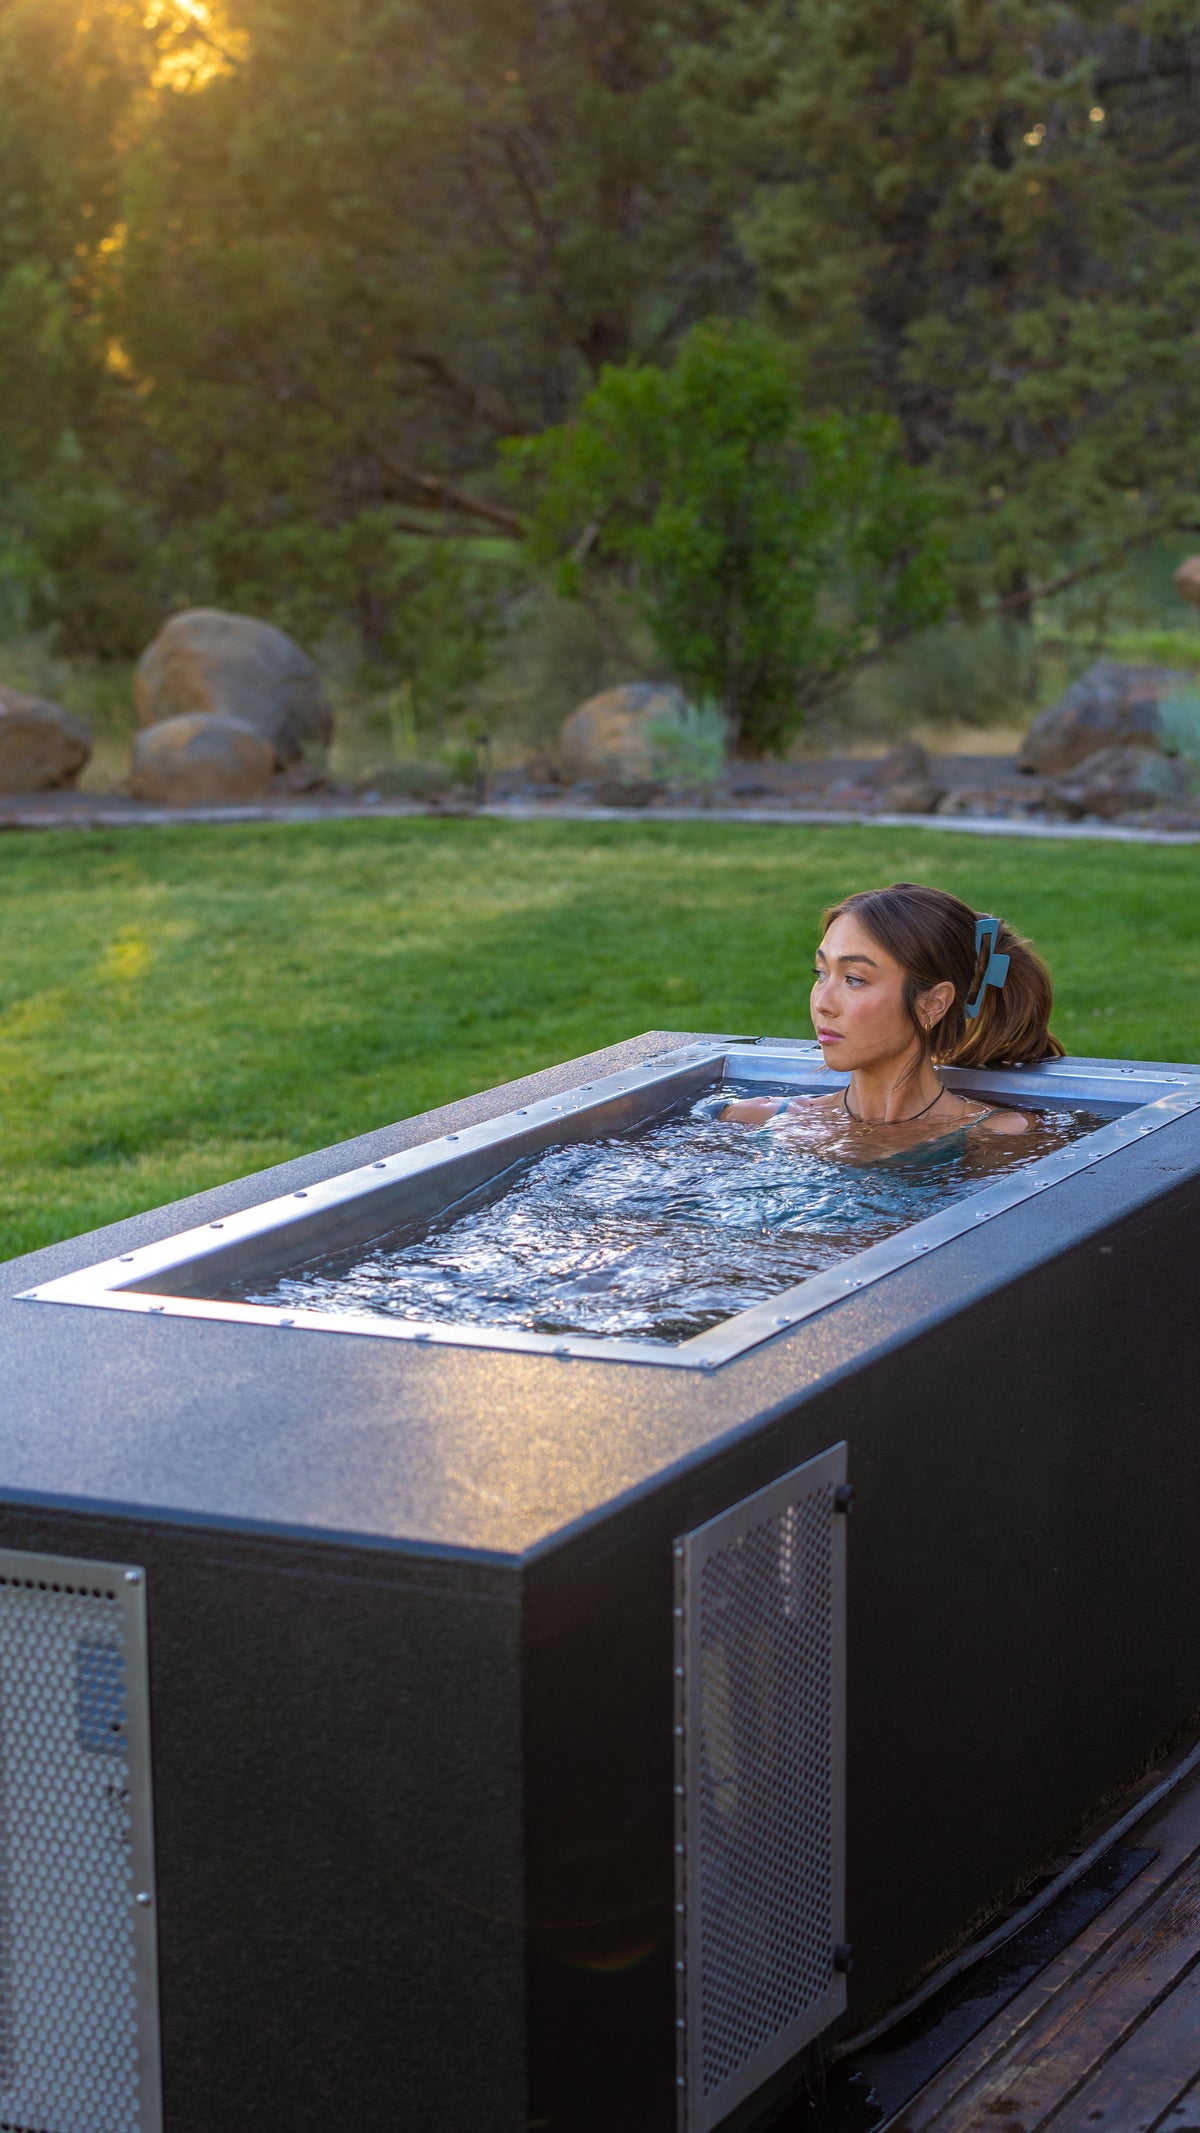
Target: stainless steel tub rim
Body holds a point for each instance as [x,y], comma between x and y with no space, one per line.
[413,1187]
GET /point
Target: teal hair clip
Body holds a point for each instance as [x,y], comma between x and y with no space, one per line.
[988,929]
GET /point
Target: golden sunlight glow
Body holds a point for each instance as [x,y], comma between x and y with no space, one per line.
[197,43]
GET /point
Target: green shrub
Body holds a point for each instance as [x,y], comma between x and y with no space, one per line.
[1179,724]
[688,745]
[1160,648]
[962,674]
[769,554]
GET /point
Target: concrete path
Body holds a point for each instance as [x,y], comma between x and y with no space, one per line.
[44,811]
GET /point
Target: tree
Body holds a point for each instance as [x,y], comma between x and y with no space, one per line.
[381,239]
[771,555]
[979,215]
[68,428]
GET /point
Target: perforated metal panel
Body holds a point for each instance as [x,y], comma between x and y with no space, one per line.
[78,2001]
[760,1736]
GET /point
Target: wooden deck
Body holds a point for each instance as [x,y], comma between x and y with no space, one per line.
[1105,2039]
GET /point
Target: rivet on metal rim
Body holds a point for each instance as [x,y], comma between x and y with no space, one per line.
[143,1897]
[133,1577]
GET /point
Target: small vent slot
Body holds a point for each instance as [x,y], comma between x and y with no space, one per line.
[78,2028]
[760,1730]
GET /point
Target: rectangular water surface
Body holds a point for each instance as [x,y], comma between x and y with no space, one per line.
[665,1232]
[620,1219]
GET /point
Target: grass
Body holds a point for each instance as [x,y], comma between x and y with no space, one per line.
[182,1006]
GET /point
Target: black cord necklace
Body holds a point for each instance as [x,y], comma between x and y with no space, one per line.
[910,1121]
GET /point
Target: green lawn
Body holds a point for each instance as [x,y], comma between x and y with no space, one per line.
[180,1006]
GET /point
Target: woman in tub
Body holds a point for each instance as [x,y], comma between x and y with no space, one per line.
[908,979]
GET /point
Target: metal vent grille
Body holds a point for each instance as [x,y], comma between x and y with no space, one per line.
[760,1731]
[78,2015]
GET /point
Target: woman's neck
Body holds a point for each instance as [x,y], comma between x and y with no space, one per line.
[888,1095]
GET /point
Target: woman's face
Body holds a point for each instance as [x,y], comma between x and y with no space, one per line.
[857,1000]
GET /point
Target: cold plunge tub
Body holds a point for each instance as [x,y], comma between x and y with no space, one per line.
[497,1681]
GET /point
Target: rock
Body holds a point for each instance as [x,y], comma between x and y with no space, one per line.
[904,782]
[301,777]
[206,660]
[1111,706]
[627,792]
[851,796]
[606,738]
[1187,580]
[42,746]
[200,760]
[1002,803]
[541,770]
[1122,781]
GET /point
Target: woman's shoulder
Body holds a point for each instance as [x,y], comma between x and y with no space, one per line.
[1003,1122]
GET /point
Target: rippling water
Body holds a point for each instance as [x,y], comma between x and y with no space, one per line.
[660,1235]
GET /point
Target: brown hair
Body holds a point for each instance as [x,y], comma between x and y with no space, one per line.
[932,936]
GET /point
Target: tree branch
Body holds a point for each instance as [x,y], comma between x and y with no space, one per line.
[1093,569]
[433,490]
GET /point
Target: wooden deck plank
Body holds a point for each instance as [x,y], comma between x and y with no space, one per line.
[1147,2074]
[1029,2027]
[1184,2114]
[1039,2070]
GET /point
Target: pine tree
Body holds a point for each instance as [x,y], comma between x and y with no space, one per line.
[980,215]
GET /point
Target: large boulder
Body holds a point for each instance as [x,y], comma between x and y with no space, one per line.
[200,760]
[206,660]
[1187,580]
[1111,706]
[42,747]
[1122,781]
[606,742]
